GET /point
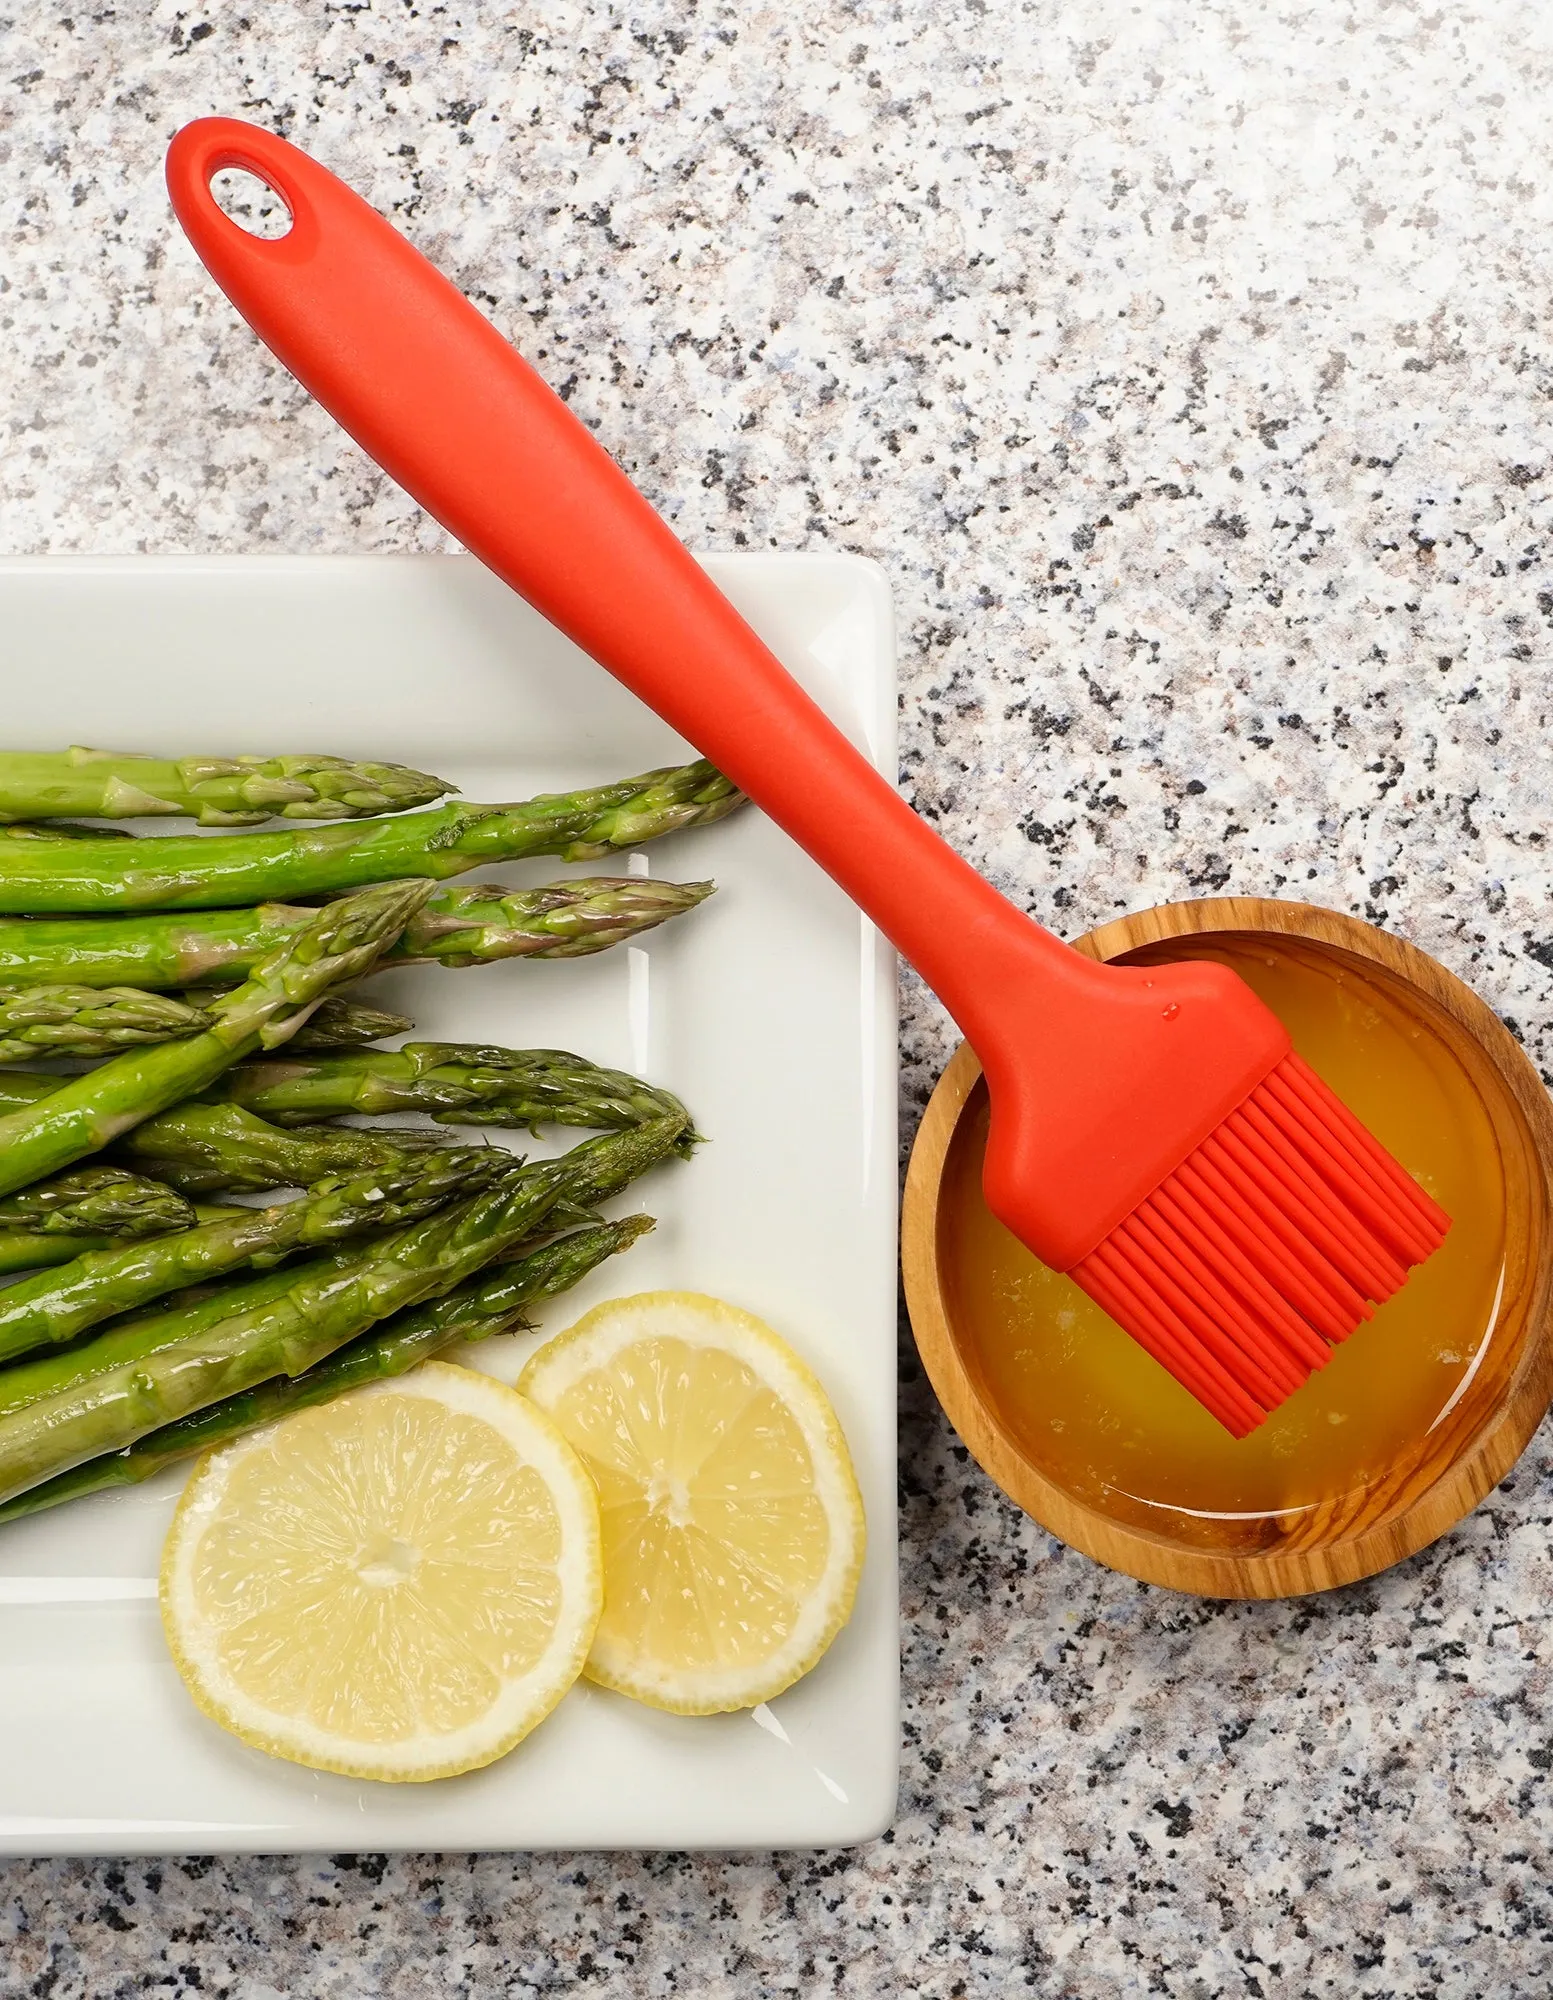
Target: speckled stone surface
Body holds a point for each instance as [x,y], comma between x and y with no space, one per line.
[1184,365]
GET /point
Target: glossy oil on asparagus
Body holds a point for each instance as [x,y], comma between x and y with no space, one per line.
[86,1208]
[565,1194]
[36,1250]
[207,1147]
[339,1021]
[200,1148]
[71,1020]
[52,1021]
[138,1337]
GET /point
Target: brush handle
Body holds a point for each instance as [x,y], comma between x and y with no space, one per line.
[1094,1071]
[430,390]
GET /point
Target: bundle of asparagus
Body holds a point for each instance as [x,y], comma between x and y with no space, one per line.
[164,1327]
[57,1305]
[133,1380]
[472,1311]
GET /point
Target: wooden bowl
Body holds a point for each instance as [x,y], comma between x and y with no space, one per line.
[1441,1475]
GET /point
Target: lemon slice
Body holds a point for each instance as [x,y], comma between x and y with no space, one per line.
[733,1527]
[399,1584]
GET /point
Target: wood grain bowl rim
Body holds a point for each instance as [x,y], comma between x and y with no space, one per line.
[1355,1548]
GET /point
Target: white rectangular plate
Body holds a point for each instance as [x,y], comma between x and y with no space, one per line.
[770,1010]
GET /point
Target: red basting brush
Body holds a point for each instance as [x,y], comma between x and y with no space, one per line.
[1153,1132]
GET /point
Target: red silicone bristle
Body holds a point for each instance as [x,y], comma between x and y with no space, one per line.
[1105,1275]
[1303,1079]
[1285,1325]
[1277,1248]
[1238,1320]
[1379,1201]
[1189,1313]
[1321,1119]
[1267,1245]
[1267,1152]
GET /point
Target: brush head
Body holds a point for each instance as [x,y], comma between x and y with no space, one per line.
[1155,1136]
[1269,1243]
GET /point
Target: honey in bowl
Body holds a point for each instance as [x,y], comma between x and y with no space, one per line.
[1109,1424]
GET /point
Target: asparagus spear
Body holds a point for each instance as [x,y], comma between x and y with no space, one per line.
[218,791]
[133,1206]
[165,951]
[226,1147]
[475,1310]
[459,1083]
[31,1250]
[474,924]
[479,923]
[202,1148]
[57,1305]
[21,1088]
[60,829]
[205,1149]
[88,1112]
[97,1200]
[340,1022]
[137,1337]
[186,873]
[37,1021]
[325,1306]
[40,1021]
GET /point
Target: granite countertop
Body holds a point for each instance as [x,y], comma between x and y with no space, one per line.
[1182,364]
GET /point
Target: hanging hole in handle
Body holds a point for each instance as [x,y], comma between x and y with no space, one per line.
[251,203]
